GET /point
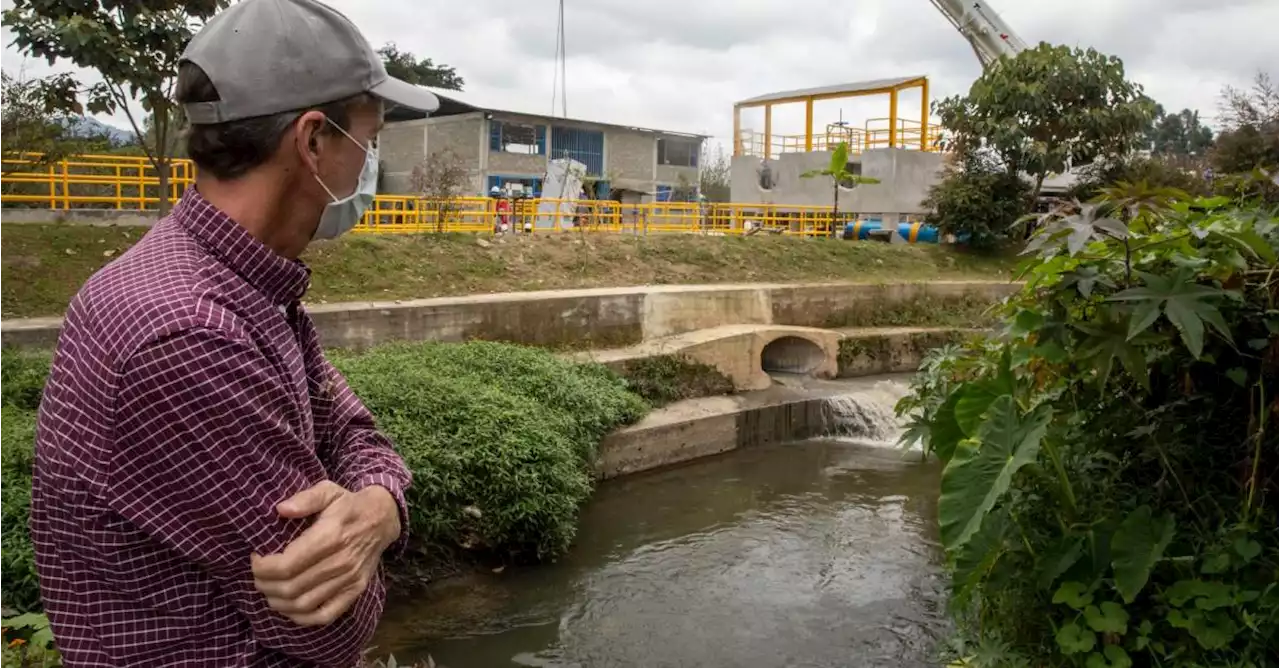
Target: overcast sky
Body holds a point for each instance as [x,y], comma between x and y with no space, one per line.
[680,64]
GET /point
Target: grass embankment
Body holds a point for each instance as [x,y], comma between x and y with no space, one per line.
[43,265]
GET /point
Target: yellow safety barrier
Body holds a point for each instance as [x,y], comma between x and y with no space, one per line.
[89,182]
[131,183]
[411,215]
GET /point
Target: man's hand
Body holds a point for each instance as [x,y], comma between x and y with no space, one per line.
[322,572]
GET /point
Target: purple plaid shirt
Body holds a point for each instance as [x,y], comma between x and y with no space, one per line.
[189,395]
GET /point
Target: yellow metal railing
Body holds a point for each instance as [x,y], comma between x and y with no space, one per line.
[130,183]
[412,215]
[89,181]
[874,134]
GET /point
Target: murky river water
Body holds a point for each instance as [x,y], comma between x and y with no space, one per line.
[821,553]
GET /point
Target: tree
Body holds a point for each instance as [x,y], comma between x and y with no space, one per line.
[1179,135]
[714,175]
[134,46]
[1251,128]
[35,124]
[172,145]
[405,66]
[841,177]
[1049,108]
[440,179]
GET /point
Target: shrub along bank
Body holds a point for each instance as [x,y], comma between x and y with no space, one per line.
[1109,492]
[501,440]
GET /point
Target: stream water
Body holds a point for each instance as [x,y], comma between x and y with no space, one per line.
[818,553]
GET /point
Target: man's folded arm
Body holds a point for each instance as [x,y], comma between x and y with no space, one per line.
[208,442]
[359,455]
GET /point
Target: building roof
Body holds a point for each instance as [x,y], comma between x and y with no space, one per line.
[451,105]
[831,91]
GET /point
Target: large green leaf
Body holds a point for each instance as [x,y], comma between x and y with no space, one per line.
[1064,554]
[1183,301]
[976,397]
[1107,342]
[839,159]
[979,473]
[1136,546]
[978,556]
[972,404]
[944,431]
[1109,617]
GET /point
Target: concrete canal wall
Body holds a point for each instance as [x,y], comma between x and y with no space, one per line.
[591,318]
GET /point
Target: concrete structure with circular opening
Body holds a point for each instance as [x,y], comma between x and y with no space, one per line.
[792,354]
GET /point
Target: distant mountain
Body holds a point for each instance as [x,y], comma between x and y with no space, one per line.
[86,126]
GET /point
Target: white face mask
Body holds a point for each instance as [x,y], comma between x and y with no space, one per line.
[341,215]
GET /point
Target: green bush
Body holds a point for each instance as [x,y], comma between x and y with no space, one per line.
[978,202]
[22,377]
[500,438]
[666,378]
[1109,496]
[17,558]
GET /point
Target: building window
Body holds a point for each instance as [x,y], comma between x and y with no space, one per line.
[678,152]
[530,186]
[506,137]
[585,146]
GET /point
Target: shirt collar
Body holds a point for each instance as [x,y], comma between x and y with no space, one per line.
[283,280]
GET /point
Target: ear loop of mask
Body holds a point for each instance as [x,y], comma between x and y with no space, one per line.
[354,141]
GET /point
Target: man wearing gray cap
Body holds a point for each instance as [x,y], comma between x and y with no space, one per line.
[208,491]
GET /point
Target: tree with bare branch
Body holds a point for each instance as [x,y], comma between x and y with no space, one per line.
[1251,128]
[440,179]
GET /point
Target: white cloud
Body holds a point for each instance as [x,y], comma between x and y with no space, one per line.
[680,65]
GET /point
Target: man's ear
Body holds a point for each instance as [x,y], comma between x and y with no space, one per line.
[308,139]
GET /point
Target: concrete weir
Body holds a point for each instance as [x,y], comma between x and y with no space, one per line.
[709,426]
[594,318]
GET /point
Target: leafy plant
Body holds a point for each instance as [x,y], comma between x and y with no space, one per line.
[22,378]
[841,177]
[28,642]
[977,201]
[1109,488]
[663,379]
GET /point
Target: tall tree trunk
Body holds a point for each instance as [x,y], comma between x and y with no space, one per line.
[835,206]
[162,171]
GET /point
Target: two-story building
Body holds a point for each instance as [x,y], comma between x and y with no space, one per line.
[497,147]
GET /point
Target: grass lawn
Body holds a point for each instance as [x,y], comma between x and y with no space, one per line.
[44,265]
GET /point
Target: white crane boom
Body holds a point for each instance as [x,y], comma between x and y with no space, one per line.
[986,32]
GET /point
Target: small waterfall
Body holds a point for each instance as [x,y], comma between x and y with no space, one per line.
[866,415]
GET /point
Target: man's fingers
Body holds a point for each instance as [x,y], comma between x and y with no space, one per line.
[313,546]
[311,599]
[335,568]
[310,501]
[330,611]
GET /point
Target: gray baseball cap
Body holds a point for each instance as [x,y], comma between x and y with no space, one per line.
[271,56]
